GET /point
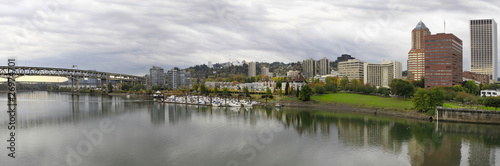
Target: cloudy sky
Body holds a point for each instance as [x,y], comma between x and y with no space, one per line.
[129,36]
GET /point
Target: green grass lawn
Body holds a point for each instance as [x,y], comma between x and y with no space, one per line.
[456,105]
[451,105]
[366,100]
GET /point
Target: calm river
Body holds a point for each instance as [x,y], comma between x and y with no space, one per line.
[56,129]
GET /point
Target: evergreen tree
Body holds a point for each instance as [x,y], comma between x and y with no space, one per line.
[305,93]
[287,86]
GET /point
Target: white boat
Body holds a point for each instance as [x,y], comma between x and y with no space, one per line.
[216,104]
[247,104]
[234,104]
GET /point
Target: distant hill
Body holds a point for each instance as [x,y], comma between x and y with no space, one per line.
[223,70]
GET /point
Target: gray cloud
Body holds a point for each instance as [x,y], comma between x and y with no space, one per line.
[126,36]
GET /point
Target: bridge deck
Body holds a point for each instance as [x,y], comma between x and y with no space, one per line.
[61,72]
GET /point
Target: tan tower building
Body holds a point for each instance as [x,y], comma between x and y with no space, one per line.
[416,56]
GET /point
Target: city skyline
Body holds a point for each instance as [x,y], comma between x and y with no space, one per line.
[105,36]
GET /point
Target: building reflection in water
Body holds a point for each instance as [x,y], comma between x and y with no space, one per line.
[178,112]
[157,112]
[69,109]
[427,145]
[422,142]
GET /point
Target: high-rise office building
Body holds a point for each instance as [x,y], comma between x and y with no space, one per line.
[309,68]
[252,69]
[416,56]
[324,66]
[443,60]
[352,68]
[484,53]
[157,76]
[381,75]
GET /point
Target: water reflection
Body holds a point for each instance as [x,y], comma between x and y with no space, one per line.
[157,112]
[199,135]
[73,109]
[426,144]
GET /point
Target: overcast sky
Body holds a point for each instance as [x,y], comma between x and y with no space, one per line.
[130,36]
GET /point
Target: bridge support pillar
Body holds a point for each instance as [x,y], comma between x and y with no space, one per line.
[75,82]
[72,87]
[104,86]
[77,86]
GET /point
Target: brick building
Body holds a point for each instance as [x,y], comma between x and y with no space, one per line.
[481,78]
[443,60]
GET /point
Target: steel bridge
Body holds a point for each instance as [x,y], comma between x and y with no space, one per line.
[72,74]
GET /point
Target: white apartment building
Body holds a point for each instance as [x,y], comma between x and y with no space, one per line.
[381,75]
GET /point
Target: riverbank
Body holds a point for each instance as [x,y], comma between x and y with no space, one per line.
[353,108]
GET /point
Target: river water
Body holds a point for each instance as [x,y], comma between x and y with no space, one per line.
[58,129]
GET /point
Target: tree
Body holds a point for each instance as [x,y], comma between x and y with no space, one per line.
[492,86]
[110,87]
[458,88]
[138,87]
[492,102]
[330,87]
[269,93]
[360,88]
[406,89]
[225,91]
[471,87]
[156,87]
[344,83]
[246,92]
[401,88]
[319,89]
[298,92]
[394,86]
[424,101]
[384,91]
[331,84]
[216,90]
[287,86]
[353,84]
[437,97]
[331,80]
[305,93]
[195,87]
[461,96]
[420,83]
[370,89]
[421,100]
[203,89]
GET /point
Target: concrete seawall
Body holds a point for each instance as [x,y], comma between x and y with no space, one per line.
[468,115]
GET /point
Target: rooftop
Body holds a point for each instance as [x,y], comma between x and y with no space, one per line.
[420,26]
